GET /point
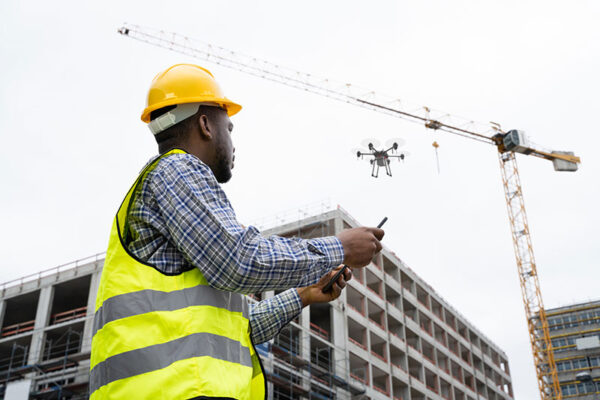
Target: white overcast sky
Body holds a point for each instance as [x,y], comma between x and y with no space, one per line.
[72,91]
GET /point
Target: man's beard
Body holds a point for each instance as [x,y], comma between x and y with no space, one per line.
[223,165]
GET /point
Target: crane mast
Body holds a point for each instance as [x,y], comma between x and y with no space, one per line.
[537,323]
[507,144]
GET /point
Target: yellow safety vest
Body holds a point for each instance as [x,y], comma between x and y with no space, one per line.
[160,336]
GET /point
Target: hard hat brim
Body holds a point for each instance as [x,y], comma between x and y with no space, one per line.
[231,107]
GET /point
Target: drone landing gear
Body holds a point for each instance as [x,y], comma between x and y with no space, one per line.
[388,170]
[376,165]
[374,173]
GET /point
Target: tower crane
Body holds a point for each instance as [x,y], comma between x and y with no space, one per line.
[506,142]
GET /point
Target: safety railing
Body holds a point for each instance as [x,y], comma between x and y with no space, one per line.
[385,392]
[319,331]
[15,329]
[358,378]
[361,312]
[69,315]
[382,358]
[52,271]
[294,214]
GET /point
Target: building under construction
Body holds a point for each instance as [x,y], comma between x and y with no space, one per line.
[575,334]
[389,335]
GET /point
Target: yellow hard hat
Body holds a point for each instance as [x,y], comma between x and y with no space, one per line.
[186,83]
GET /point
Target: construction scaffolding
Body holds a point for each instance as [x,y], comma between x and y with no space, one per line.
[44,337]
[58,374]
[389,335]
[303,366]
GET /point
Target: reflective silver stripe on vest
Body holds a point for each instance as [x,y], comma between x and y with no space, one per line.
[145,301]
[151,358]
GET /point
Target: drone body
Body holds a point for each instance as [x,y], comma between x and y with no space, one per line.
[381,158]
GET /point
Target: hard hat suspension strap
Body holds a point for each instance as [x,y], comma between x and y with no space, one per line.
[174,116]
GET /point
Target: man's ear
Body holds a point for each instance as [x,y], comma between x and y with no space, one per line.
[205,127]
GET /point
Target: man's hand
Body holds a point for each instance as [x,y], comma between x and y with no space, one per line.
[313,294]
[360,245]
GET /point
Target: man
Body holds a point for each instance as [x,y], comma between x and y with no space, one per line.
[170,321]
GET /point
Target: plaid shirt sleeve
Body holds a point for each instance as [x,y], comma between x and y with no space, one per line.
[267,317]
[202,225]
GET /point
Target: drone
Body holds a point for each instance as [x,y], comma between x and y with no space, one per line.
[381,158]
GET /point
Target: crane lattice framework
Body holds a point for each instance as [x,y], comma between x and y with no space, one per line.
[507,144]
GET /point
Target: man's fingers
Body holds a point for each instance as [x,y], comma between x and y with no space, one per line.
[348,274]
[377,232]
[336,291]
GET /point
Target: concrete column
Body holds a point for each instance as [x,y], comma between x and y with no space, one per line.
[86,345]
[338,225]
[42,317]
[339,326]
[2,311]
[305,343]
[339,338]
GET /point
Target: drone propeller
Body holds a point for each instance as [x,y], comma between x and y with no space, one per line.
[395,143]
[357,152]
[403,155]
[374,142]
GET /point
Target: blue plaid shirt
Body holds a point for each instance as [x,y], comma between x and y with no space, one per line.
[181,219]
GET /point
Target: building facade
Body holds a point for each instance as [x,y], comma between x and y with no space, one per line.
[575,334]
[389,336]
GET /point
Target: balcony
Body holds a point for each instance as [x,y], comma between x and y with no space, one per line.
[19,315]
[395,327]
[381,381]
[357,334]
[398,357]
[355,300]
[443,361]
[359,369]
[413,340]
[409,310]
[431,381]
[415,369]
[374,284]
[393,297]
[376,314]
[70,300]
[423,297]
[439,335]
[437,309]
[390,268]
[399,389]
[320,320]
[407,282]
[425,323]
[379,347]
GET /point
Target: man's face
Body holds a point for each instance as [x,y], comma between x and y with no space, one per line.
[224,150]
